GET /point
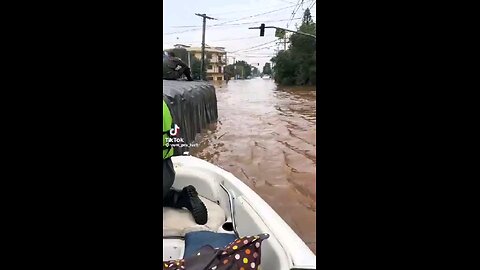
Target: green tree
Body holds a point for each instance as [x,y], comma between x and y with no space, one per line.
[297,65]
[241,69]
[195,67]
[229,71]
[267,69]
[244,69]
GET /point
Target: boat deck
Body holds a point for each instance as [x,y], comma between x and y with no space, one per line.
[180,230]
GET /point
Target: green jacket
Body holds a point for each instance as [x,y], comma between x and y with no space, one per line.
[167,125]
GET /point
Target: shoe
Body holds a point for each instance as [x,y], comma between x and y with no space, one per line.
[190,200]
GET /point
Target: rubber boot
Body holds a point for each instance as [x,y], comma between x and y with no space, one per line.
[188,74]
[171,199]
[190,200]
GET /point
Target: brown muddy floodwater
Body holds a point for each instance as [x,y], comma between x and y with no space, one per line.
[265,136]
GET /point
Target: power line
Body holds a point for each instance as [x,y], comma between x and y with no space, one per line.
[286,1]
[257,54]
[312,5]
[295,10]
[196,26]
[179,32]
[252,16]
[256,49]
[236,11]
[243,38]
[231,39]
[218,40]
[264,50]
[256,15]
[255,46]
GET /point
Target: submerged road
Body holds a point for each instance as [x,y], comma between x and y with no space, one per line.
[265,136]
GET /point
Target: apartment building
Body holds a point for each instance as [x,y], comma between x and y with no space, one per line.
[215,57]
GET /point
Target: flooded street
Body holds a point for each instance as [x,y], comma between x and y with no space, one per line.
[265,136]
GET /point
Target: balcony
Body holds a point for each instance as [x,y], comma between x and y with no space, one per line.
[216,60]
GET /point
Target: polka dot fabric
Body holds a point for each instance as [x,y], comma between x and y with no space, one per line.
[241,254]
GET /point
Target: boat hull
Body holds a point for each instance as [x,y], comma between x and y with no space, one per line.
[248,212]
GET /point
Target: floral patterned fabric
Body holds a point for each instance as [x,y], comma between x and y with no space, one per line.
[242,254]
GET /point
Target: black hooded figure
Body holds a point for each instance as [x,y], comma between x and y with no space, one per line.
[174,68]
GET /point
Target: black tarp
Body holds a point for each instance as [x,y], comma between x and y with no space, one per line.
[193,106]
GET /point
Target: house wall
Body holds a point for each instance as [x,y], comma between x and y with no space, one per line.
[215,68]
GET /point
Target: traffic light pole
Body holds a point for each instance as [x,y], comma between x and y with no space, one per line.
[263,27]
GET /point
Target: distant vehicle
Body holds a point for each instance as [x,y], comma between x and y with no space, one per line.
[249,77]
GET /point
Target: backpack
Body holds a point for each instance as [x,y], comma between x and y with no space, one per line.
[242,253]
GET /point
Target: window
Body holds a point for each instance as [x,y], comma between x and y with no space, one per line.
[210,78]
[219,78]
[210,67]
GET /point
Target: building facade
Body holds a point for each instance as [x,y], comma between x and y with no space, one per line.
[215,60]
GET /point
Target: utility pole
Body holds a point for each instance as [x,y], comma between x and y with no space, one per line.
[205,17]
[234,68]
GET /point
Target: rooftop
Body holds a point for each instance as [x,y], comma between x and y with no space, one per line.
[199,49]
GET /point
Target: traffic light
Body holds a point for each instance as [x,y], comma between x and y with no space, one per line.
[262,30]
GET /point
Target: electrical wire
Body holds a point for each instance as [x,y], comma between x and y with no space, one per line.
[264,50]
[196,26]
[199,28]
[255,46]
[259,55]
[256,15]
[286,1]
[236,11]
[251,16]
[231,39]
[295,9]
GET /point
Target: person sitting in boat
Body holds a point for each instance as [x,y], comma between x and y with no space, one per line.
[188,196]
[174,68]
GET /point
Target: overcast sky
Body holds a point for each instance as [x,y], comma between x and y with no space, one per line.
[230,30]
